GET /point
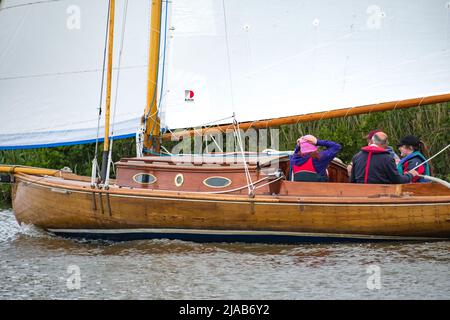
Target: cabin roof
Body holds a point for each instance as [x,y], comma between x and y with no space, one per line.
[252,159]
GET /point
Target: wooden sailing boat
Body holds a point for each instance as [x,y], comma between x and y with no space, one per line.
[206,197]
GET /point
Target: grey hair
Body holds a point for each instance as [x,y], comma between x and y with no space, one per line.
[378,140]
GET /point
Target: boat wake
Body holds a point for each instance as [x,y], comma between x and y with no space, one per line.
[10,229]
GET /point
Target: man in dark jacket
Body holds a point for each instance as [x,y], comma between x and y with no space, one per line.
[369,142]
[374,164]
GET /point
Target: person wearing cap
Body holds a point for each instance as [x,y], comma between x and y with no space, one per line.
[369,142]
[308,164]
[374,164]
[412,150]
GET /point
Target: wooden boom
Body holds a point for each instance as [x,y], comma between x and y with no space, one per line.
[28,170]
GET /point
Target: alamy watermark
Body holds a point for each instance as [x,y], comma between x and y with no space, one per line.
[375,18]
[73,21]
[73,282]
[253,142]
[374,280]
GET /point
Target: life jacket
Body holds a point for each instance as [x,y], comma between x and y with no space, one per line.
[306,166]
[402,166]
[306,172]
[371,150]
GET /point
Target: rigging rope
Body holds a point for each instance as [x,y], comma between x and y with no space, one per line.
[163,55]
[237,132]
[246,186]
[110,162]
[437,180]
[215,142]
[431,157]
[95,166]
[230,78]
[29,4]
[156,115]
[239,188]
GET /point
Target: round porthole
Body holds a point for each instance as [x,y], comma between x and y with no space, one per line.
[217,182]
[144,178]
[179,180]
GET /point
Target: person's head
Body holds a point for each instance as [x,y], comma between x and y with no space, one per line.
[370,135]
[409,144]
[380,139]
[307,148]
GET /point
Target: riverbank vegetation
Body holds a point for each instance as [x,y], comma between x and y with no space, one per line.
[431,123]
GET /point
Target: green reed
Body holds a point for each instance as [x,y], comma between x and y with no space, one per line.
[431,123]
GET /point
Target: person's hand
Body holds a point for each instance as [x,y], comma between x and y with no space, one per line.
[349,169]
[414,173]
[311,139]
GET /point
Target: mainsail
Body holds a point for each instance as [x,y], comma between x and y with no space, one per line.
[271,59]
[255,59]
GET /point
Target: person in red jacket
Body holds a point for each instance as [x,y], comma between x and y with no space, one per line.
[374,164]
[369,142]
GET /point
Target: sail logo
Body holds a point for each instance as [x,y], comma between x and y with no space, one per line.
[188,95]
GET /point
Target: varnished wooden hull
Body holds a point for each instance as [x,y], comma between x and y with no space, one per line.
[73,208]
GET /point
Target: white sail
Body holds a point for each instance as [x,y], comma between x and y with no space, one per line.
[268,59]
[257,59]
[51,61]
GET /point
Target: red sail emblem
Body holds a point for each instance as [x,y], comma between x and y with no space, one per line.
[188,95]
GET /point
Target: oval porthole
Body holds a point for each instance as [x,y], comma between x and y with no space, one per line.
[217,182]
[179,180]
[144,178]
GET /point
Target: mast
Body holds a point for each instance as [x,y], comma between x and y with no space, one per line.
[260,124]
[105,164]
[150,120]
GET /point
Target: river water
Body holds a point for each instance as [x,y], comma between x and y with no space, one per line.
[37,265]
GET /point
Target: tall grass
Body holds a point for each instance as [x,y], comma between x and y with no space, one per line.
[78,158]
[431,123]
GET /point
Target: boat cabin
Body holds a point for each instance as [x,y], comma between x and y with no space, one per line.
[213,173]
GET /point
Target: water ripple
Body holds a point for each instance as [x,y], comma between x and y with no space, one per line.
[36,265]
